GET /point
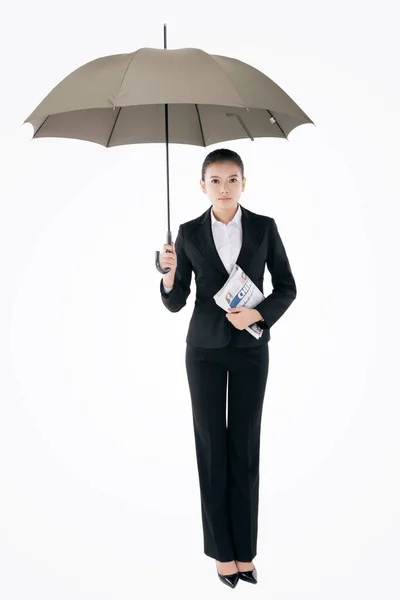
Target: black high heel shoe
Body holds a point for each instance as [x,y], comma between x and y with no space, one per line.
[230,580]
[249,576]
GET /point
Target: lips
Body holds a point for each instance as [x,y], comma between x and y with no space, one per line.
[224,198]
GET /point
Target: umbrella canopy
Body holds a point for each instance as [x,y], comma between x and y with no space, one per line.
[120,99]
[183,96]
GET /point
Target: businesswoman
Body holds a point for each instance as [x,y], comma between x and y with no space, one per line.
[223,360]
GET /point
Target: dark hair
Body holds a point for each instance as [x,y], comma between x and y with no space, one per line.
[221,155]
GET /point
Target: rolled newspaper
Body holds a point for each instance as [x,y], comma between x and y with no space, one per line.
[239,290]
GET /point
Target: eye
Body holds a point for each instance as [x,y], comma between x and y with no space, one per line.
[233,179]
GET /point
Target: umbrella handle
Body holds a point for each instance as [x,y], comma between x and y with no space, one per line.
[158,266]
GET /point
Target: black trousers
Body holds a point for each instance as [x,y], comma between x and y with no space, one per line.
[228,450]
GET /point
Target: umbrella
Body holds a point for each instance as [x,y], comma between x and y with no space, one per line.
[183,96]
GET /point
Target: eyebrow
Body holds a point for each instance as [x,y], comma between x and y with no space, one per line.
[234,175]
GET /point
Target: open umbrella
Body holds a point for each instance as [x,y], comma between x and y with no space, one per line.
[183,96]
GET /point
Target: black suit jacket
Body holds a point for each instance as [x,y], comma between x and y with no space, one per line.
[196,252]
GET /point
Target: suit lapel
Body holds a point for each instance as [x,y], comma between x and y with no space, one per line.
[252,232]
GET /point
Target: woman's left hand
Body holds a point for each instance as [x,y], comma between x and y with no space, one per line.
[242,316]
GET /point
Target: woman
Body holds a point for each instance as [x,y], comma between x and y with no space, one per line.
[223,359]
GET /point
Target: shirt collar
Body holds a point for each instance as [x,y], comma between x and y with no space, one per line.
[236,219]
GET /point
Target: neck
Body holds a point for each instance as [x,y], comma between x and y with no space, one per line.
[225,216]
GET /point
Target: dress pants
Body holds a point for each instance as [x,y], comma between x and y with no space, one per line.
[228,449]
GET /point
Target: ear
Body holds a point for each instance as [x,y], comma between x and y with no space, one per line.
[202,186]
[244,183]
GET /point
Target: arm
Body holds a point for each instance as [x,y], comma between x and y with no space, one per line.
[284,288]
[176,298]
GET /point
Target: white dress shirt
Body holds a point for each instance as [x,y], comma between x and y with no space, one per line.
[227,239]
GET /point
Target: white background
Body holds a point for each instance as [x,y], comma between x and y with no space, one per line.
[99,484]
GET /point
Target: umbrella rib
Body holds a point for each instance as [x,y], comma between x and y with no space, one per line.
[275,121]
[243,124]
[40,126]
[133,56]
[113,127]
[201,127]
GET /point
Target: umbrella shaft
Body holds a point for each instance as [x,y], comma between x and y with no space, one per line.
[166,142]
[167,157]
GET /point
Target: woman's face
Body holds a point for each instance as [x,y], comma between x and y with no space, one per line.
[223,184]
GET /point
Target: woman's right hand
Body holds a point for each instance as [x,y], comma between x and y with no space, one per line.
[168,259]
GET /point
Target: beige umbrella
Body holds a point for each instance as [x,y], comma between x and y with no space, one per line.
[182,96]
